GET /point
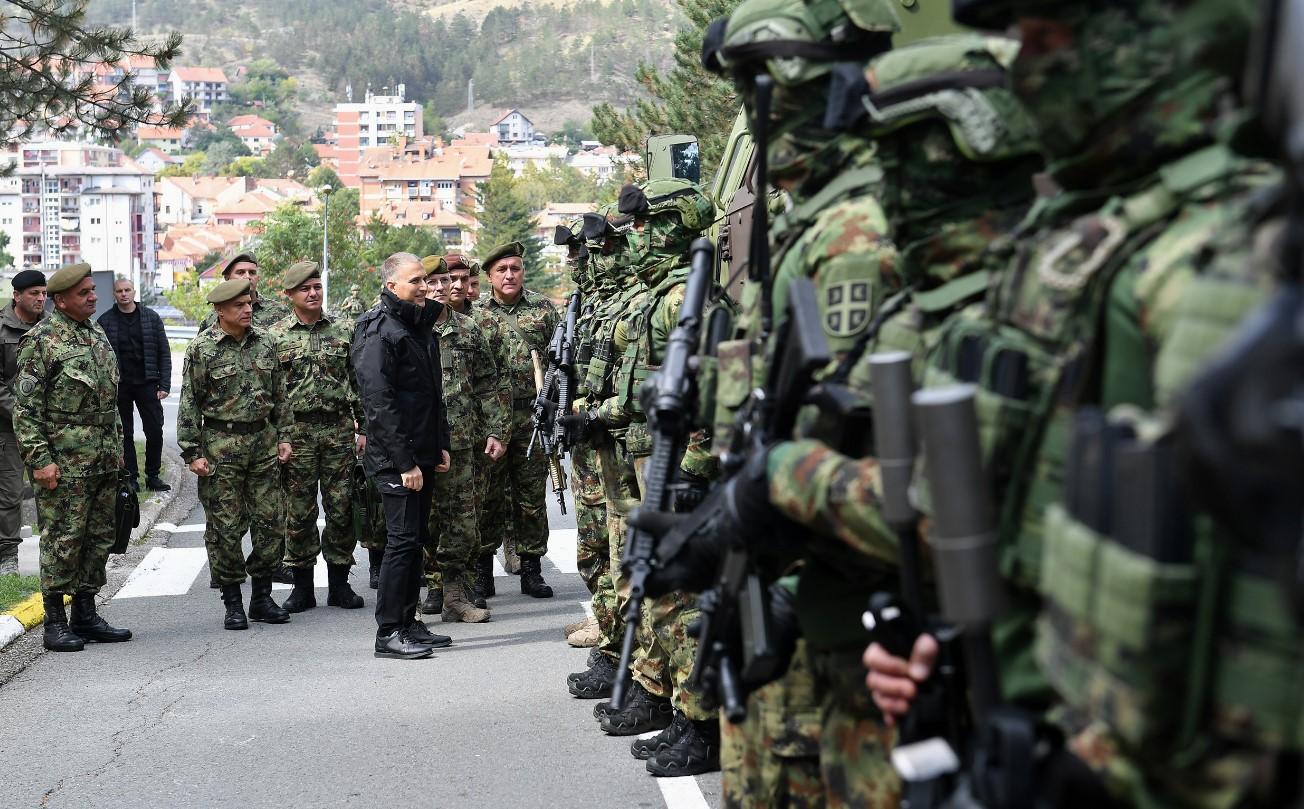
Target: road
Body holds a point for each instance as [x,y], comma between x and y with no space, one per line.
[302,714]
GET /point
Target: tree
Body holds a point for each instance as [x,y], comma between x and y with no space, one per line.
[324,175]
[44,44]
[557,182]
[290,155]
[384,240]
[209,138]
[220,156]
[187,296]
[507,218]
[191,166]
[432,123]
[687,99]
[6,260]
[291,233]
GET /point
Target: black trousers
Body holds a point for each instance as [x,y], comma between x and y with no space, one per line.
[407,531]
[144,396]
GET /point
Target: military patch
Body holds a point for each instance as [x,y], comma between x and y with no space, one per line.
[846,307]
[27,384]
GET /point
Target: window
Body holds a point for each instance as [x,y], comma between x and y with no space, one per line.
[95,220]
[445,184]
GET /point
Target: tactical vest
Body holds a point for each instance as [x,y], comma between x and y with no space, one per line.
[597,382]
[640,361]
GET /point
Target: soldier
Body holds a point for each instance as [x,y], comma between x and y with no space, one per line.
[23,312]
[518,485]
[352,305]
[66,421]
[329,428]
[476,403]
[234,429]
[473,282]
[267,311]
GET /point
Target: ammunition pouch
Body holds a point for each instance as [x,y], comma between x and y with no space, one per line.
[734,384]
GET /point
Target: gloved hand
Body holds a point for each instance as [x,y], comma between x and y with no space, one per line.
[579,426]
[689,491]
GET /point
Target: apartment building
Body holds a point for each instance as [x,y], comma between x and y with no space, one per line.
[424,183]
[206,86]
[376,121]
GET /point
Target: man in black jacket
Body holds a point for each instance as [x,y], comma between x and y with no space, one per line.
[145,365]
[396,361]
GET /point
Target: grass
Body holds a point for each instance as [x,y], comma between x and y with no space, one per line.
[177,346]
[15,588]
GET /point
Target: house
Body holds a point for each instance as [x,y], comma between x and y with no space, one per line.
[422,171]
[156,159]
[169,139]
[255,132]
[513,127]
[518,157]
[375,122]
[182,247]
[456,230]
[225,200]
[205,86]
[552,215]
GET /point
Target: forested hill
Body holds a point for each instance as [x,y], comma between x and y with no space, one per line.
[518,54]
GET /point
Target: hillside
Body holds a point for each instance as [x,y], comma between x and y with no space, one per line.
[568,54]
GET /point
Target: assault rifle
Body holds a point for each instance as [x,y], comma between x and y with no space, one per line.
[668,402]
[554,398]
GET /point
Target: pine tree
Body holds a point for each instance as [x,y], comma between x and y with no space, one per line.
[43,43]
[507,218]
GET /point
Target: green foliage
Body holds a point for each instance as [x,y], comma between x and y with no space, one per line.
[40,42]
[432,123]
[6,260]
[324,175]
[267,90]
[14,589]
[572,132]
[290,155]
[507,217]
[558,182]
[191,166]
[208,138]
[219,156]
[188,297]
[687,99]
[385,240]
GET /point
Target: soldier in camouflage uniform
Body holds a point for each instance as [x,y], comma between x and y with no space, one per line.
[476,404]
[313,349]
[70,437]
[518,485]
[234,429]
[352,305]
[16,319]
[267,311]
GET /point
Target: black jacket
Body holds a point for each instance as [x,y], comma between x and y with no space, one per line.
[396,359]
[158,357]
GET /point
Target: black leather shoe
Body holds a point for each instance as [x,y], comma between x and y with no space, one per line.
[434,601]
[302,597]
[420,633]
[398,646]
[235,613]
[156,484]
[643,712]
[594,683]
[58,636]
[88,624]
[644,749]
[340,593]
[532,583]
[697,750]
[262,607]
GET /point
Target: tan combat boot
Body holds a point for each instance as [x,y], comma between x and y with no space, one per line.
[457,607]
[511,559]
[586,637]
[574,626]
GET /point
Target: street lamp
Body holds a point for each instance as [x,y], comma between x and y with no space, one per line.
[325,192]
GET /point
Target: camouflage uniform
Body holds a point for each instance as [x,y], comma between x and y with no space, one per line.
[517,485]
[267,313]
[12,330]
[65,413]
[352,305]
[592,547]
[234,410]
[323,394]
[475,397]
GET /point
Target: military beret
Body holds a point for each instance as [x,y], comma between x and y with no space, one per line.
[229,290]
[433,264]
[28,278]
[299,272]
[67,277]
[457,261]
[502,251]
[228,263]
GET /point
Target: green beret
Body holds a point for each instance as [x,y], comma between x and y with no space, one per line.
[67,277]
[503,251]
[433,264]
[228,263]
[229,290]
[299,272]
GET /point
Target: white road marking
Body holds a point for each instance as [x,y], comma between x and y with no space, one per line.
[682,793]
[588,607]
[10,629]
[561,549]
[164,572]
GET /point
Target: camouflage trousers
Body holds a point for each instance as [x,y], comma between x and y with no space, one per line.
[455,518]
[243,494]
[11,493]
[76,533]
[621,495]
[773,758]
[855,746]
[515,506]
[592,554]
[323,457]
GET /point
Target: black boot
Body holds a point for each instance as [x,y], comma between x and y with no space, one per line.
[697,750]
[234,601]
[340,593]
[594,683]
[532,583]
[644,749]
[487,575]
[58,636]
[374,558]
[89,625]
[283,574]
[302,597]
[434,601]
[643,712]
[262,607]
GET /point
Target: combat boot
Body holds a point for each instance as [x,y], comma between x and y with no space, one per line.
[573,627]
[58,636]
[235,613]
[644,749]
[457,608]
[511,559]
[283,574]
[474,592]
[9,562]
[88,624]
[262,607]
[594,683]
[340,594]
[697,750]
[374,558]
[302,597]
[486,578]
[434,602]
[587,636]
[532,583]
[643,712]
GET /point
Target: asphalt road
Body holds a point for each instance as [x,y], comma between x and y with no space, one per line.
[303,715]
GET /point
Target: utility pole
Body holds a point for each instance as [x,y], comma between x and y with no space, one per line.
[325,191]
[593,66]
[133,15]
[470,95]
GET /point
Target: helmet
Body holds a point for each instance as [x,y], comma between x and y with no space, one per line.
[672,213]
